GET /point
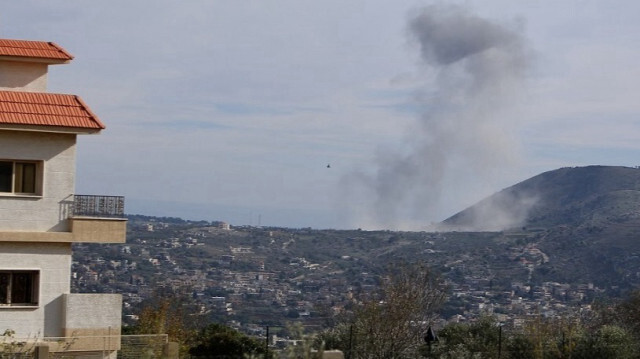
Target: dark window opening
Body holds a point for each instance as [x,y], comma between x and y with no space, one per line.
[19,288]
[19,177]
[6,176]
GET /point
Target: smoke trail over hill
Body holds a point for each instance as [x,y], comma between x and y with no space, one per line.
[463,130]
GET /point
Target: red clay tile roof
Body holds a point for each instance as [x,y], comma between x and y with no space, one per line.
[46,109]
[33,49]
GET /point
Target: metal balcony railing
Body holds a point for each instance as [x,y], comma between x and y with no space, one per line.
[127,346]
[98,206]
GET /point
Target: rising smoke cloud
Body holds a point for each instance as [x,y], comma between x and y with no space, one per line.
[464,131]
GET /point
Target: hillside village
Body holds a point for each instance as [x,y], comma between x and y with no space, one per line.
[214,108]
[251,277]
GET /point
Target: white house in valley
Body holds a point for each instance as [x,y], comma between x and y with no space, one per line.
[41,216]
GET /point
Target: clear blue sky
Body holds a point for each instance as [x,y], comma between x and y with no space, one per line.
[231,110]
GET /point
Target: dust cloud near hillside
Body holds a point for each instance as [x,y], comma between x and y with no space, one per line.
[463,133]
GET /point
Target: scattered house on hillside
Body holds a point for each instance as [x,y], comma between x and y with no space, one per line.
[40,214]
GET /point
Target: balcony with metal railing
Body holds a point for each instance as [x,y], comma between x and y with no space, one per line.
[81,218]
[98,206]
[98,219]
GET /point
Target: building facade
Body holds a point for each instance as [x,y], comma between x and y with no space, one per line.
[41,216]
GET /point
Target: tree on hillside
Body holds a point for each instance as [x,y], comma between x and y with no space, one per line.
[608,342]
[479,339]
[170,313]
[551,337]
[217,340]
[538,338]
[391,322]
[307,347]
[628,313]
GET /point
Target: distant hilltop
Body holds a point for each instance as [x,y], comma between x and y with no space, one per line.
[572,196]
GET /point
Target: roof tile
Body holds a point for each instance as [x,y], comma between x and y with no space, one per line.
[46,109]
[35,49]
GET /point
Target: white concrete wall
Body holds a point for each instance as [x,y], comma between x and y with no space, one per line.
[93,314]
[23,76]
[49,211]
[54,262]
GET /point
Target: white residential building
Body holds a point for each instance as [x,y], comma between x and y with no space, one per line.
[40,214]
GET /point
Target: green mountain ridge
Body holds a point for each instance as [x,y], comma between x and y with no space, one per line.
[588,220]
[576,196]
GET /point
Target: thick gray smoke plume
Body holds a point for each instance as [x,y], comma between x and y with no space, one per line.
[463,134]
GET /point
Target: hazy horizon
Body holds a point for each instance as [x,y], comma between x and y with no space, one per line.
[365,114]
